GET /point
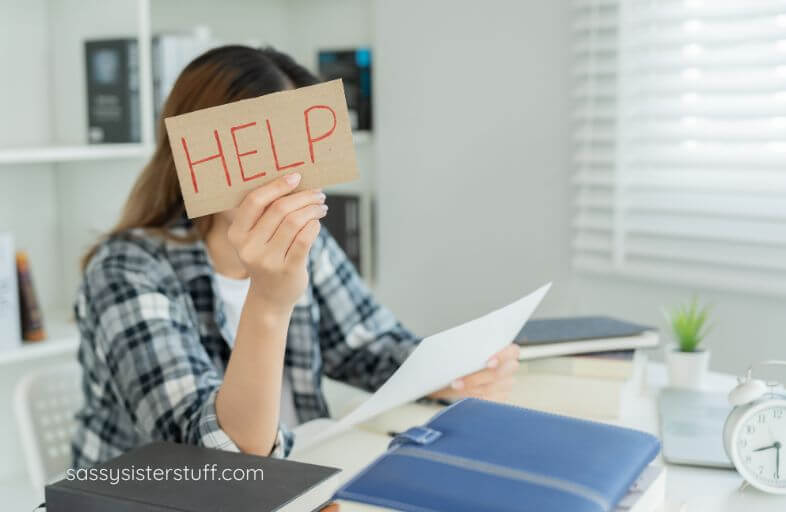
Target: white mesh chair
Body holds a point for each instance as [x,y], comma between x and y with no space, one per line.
[45,401]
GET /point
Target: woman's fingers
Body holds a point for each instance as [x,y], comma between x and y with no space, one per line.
[497,391]
[511,352]
[253,205]
[298,251]
[280,208]
[292,225]
[487,376]
[492,383]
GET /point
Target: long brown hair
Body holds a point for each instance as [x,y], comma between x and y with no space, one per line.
[221,75]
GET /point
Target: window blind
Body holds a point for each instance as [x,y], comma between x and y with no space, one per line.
[680,137]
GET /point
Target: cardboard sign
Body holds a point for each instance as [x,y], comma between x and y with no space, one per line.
[223,152]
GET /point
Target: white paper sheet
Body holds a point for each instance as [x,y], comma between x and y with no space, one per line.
[439,360]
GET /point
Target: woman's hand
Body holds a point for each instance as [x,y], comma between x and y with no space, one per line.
[272,232]
[495,382]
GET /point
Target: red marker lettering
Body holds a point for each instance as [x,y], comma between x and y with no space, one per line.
[275,154]
[191,163]
[325,135]
[247,153]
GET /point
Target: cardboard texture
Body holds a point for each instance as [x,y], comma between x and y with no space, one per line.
[221,153]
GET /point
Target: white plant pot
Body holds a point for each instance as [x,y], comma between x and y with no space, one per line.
[687,369]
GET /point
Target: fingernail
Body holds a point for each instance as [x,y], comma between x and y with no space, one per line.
[321,196]
[324,209]
[493,362]
[457,384]
[293,179]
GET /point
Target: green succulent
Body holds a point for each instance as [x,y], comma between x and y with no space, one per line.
[689,324]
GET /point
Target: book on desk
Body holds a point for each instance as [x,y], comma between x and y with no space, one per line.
[589,366]
[549,337]
[478,455]
[164,476]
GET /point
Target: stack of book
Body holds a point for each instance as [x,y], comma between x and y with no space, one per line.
[171,53]
[112,65]
[582,366]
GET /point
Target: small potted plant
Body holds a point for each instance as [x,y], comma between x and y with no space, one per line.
[687,362]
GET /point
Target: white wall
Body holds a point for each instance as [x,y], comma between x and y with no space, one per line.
[28,188]
[454,243]
[472,168]
[235,21]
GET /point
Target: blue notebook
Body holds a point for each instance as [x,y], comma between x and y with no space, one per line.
[478,455]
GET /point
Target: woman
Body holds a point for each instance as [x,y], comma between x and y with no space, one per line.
[217,332]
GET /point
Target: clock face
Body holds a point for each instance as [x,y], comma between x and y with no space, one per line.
[760,446]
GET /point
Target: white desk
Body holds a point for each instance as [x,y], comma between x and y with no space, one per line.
[687,489]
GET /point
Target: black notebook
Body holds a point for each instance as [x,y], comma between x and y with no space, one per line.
[175,477]
[113,113]
[548,337]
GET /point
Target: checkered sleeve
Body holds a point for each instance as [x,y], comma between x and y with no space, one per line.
[147,336]
[362,342]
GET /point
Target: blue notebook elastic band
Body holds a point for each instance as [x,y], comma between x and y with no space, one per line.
[504,472]
[416,435]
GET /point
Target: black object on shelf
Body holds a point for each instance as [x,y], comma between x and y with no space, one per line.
[113,112]
[343,222]
[354,67]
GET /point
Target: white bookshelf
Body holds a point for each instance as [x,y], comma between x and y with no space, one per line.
[56,154]
[58,193]
[62,339]
[52,347]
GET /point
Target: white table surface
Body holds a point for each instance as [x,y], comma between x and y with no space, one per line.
[688,489]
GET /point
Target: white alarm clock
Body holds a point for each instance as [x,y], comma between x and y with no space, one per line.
[755,432]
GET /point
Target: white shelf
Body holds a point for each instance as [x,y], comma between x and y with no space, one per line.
[40,350]
[45,154]
[55,154]
[63,340]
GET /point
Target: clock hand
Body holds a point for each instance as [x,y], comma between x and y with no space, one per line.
[774,445]
[777,460]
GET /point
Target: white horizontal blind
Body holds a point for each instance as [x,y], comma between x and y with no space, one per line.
[681,140]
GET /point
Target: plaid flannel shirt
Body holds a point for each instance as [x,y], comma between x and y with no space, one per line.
[153,343]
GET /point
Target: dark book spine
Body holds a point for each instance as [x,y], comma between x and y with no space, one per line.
[134,107]
[113,112]
[32,318]
[343,222]
[354,68]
